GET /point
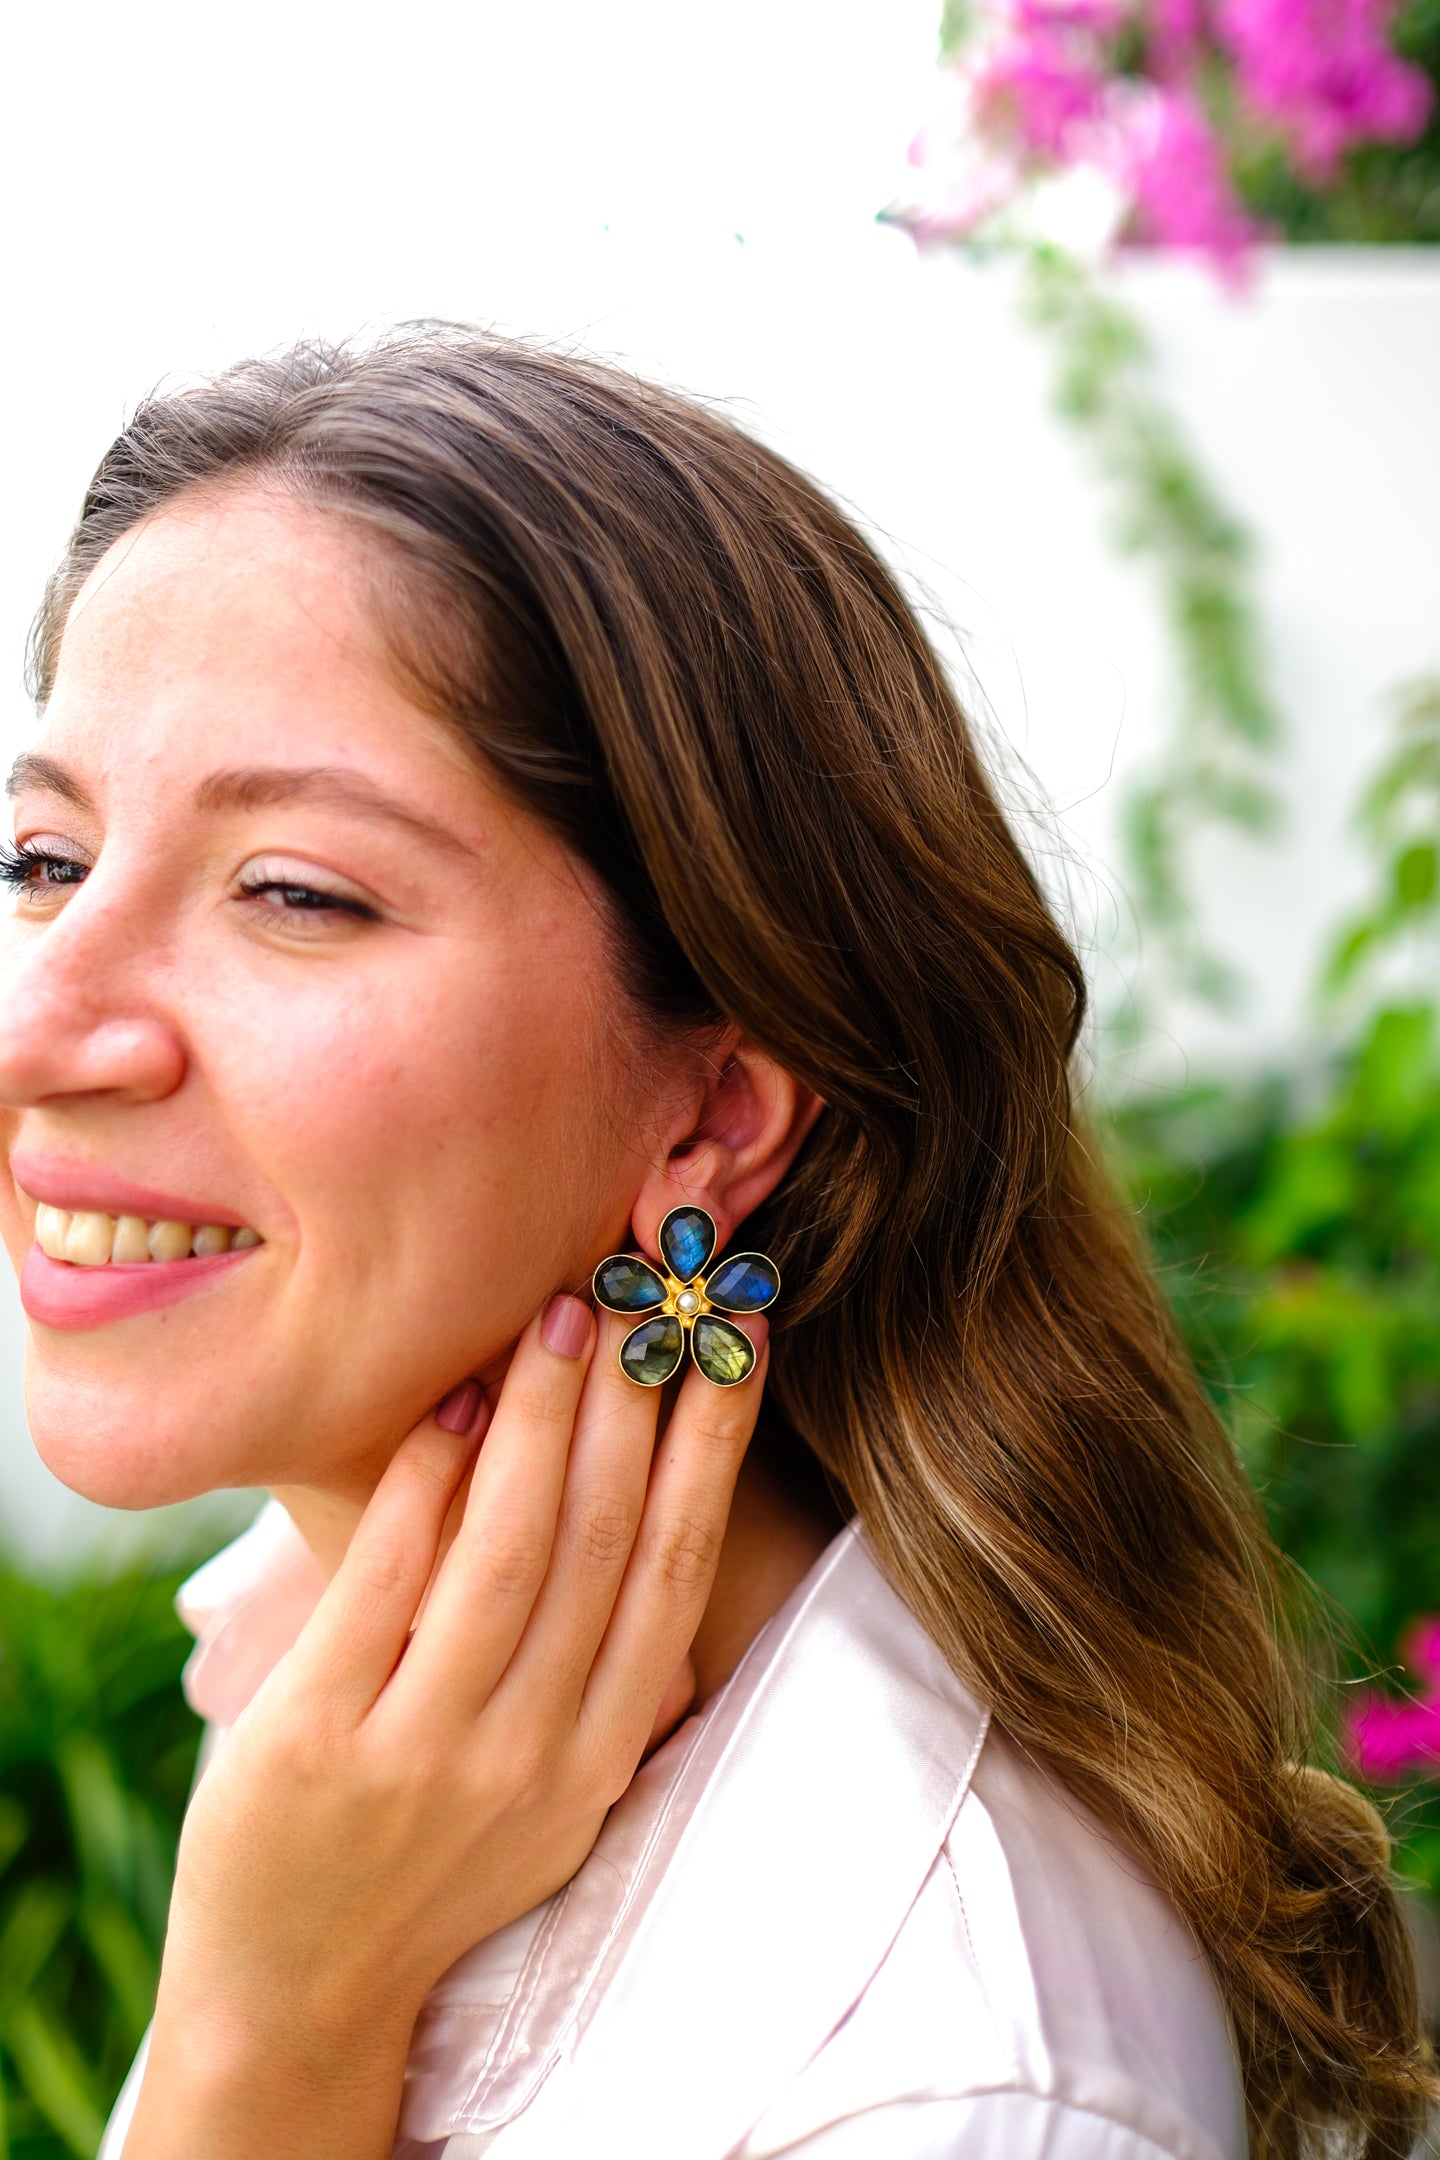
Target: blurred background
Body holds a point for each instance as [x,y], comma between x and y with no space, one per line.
[1117,325]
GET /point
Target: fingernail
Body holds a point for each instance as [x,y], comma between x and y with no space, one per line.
[566,1326]
[458,1411]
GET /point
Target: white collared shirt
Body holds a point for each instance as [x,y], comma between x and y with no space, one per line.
[835,1917]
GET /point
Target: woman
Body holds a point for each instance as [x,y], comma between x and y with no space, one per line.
[486,805]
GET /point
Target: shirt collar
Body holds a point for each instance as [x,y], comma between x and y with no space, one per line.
[245,1608]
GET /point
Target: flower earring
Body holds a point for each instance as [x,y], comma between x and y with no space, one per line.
[687,1304]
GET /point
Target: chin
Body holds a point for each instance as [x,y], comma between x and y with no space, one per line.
[116,1448]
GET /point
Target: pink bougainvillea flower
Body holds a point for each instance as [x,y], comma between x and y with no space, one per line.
[1041,90]
[1420,1648]
[1386,1738]
[1174,31]
[1323,74]
[1101,18]
[1111,89]
[1175,170]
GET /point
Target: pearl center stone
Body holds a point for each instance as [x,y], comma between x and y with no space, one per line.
[687,1302]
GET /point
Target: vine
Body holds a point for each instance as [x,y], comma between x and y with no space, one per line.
[1198,126]
[1224,724]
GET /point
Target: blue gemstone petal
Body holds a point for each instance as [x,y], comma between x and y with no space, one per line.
[624,1284]
[651,1352]
[746,1282]
[723,1352]
[687,1239]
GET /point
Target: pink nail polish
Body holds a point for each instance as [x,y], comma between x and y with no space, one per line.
[566,1327]
[458,1411]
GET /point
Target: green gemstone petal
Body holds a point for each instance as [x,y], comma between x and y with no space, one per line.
[687,1239]
[746,1282]
[625,1284]
[651,1352]
[724,1353]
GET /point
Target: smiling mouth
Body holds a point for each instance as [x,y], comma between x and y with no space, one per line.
[89,1239]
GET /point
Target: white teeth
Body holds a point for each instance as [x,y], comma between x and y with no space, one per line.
[51,1224]
[86,1238]
[132,1241]
[89,1239]
[170,1241]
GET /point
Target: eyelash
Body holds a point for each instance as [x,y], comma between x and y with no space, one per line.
[18,867]
[18,863]
[308,899]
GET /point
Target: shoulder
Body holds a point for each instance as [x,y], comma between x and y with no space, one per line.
[1040,1995]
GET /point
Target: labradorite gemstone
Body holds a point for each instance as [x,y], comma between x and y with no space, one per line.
[722,1352]
[747,1282]
[687,1239]
[623,1284]
[651,1352]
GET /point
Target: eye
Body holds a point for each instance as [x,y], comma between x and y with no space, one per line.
[36,868]
[275,889]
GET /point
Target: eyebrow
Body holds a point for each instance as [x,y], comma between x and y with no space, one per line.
[32,769]
[333,787]
[252,787]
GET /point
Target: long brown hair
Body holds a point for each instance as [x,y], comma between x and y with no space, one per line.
[673,647]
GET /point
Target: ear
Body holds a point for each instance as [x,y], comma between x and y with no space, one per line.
[751,1122]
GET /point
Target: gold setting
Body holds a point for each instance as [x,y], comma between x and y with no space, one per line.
[686,1297]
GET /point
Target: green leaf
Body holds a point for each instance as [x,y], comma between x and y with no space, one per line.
[98,1811]
[14,1829]
[32,1927]
[55,2076]
[126,1958]
[1415,875]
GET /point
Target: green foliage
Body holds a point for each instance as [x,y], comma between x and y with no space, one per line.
[97,1750]
[1399,817]
[1298,1228]
[1301,1246]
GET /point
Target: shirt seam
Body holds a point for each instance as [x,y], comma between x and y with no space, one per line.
[976,1965]
[1051,2101]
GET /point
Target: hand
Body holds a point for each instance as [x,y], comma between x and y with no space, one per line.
[438,1751]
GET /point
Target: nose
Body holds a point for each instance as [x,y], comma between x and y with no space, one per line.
[75,1017]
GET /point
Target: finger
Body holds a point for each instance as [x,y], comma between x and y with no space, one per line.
[491,1577]
[600,1513]
[354,1639]
[672,1569]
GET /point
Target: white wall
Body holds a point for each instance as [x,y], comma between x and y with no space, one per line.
[696,192]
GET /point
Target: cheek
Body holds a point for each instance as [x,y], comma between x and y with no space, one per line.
[423,1091]
[445,1147]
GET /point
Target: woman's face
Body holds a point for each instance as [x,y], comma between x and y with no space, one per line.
[299,969]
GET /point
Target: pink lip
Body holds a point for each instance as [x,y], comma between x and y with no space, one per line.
[62,1184]
[59,1295]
